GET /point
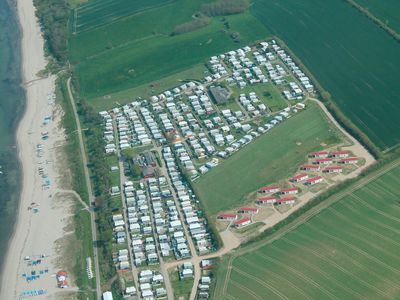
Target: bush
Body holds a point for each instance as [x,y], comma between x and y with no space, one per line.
[191,26]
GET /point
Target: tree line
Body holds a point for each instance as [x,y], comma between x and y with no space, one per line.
[224,7]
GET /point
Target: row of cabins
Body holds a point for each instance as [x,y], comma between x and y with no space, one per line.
[169,228]
[151,285]
[195,225]
[294,68]
[108,134]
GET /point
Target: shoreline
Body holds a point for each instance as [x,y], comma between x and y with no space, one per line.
[41,215]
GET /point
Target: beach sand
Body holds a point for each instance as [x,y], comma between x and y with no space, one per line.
[36,232]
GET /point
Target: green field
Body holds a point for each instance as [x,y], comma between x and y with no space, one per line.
[139,49]
[154,58]
[352,58]
[272,157]
[99,12]
[349,250]
[387,11]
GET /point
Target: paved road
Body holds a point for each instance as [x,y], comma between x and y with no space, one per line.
[90,190]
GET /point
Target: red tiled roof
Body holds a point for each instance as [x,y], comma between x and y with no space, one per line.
[248,209]
[266,198]
[268,188]
[287,199]
[316,178]
[299,176]
[310,167]
[227,215]
[289,189]
[241,221]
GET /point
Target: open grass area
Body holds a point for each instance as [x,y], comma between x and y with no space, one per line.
[268,93]
[116,66]
[387,11]
[84,249]
[146,90]
[352,58]
[272,157]
[99,12]
[182,288]
[349,250]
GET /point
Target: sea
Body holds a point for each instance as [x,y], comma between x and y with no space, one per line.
[12,102]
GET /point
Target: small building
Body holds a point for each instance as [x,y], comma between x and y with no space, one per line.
[333,169]
[248,210]
[242,223]
[220,95]
[339,154]
[315,180]
[265,200]
[349,160]
[289,191]
[312,168]
[286,201]
[227,216]
[323,161]
[269,189]
[300,177]
[320,154]
[107,296]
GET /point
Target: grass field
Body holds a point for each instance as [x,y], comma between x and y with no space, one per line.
[349,250]
[353,59]
[99,12]
[387,11]
[152,59]
[272,157]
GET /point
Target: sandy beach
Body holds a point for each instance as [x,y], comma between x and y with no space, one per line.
[33,256]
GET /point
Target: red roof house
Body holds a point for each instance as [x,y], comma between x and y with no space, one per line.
[310,168]
[333,169]
[315,180]
[300,177]
[248,210]
[266,200]
[269,189]
[287,201]
[320,154]
[242,223]
[350,160]
[323,161]
[227,216]
[290,191]
[340,154]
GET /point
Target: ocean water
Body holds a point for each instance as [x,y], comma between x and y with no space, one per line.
[12,100]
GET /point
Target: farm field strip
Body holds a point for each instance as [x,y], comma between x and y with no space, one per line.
[348,249]
[356,68]
[387,11]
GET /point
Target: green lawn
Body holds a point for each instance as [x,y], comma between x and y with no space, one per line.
[133,64]
[147,90]
[387,11]
[349,250]
[182,288]
[352,58]
[272,157]
[266,92]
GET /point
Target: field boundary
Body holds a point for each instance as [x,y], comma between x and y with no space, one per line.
[393,33]
[222,283]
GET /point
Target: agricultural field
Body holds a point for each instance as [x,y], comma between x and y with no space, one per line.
[349,250]
[352,58]
[387,11]
[99,12]
[118,56]
[272,157]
